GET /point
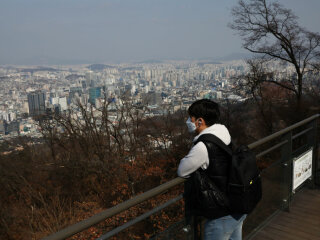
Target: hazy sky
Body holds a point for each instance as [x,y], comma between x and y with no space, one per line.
[92,31]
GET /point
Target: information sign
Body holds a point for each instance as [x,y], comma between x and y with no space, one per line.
[302,168]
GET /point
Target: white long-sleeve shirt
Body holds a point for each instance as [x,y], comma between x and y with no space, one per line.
[198,155]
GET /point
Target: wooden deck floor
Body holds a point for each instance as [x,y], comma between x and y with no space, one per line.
[302,222]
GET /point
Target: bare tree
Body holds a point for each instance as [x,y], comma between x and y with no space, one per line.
[256,83]
[271,30]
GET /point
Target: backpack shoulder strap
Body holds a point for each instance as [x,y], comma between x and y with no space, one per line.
[212,138]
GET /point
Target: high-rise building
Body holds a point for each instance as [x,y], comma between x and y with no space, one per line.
[61,101]
[74,91]
[94,93]
[36,102]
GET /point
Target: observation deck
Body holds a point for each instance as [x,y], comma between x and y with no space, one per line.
[301,222]
[289,209]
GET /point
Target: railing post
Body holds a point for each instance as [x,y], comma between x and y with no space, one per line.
[286,159]
[313,142]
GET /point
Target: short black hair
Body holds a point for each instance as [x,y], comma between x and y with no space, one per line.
[206,109]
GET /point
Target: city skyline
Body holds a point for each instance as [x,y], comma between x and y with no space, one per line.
[81,32]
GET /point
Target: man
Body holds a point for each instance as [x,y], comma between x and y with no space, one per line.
[221,224]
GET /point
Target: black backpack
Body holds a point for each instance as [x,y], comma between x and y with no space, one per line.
[244,188]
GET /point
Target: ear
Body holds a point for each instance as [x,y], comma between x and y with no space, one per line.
[200,121]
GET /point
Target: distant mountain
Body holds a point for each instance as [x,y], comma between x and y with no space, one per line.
[49,61]
[98,67]
[229,57]
[39,69]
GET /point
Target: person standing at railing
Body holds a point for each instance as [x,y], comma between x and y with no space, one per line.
[221,224]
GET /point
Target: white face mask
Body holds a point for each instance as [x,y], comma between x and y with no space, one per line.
[191,126]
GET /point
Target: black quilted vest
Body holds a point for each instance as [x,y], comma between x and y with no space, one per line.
[217,170]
